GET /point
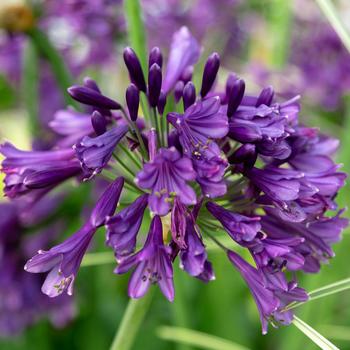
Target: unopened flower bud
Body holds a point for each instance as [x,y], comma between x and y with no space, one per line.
[265,97]
[189,95]
[235,96]
[99,123]
[134,67]
[209,74]
[154,84]
[155,56]
[132,100]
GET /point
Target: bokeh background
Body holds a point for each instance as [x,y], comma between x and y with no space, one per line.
[284,43]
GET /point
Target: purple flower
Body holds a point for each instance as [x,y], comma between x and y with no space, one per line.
[239,227]
[63,261]
[95,153]
[184,52]
[279,184]
[201,123]
[152,265]
[193,258]
[316,238]
[166,175]
[265,299]
[35,170]
[123,228]
[178,223]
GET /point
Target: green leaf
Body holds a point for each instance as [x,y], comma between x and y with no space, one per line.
[331,14]
[198,339]
[312,334]
[136,30]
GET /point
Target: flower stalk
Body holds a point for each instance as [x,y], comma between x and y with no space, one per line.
[131,322]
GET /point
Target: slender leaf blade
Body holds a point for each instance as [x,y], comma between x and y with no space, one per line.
[196,338]
[313,335]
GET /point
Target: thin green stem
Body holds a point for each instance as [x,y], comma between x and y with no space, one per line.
[131,156]
[140,139]
[123,165]
[331,14]
[131,322]
[145,109]
[158,127]
[30,87]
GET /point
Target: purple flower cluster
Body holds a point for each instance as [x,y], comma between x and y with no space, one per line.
[193,163]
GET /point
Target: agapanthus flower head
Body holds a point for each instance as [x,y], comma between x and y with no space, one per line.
[221,160]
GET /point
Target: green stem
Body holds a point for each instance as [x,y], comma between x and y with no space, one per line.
[131,322]
[59,67]
[180,309]
[145,108]
[131,156]
[158,127]
[123,165]
[143,149]
[30,87]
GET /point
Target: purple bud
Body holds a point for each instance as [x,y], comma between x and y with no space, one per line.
[154,84]
[134,67]
[155,56]
[231,79]
[91,97]
[132,100]
[189,95]
[91,84]
[209,74]
[265,97]
[235,97]
[107,203]
[178,90]
[187,74]
[161,102]
[245,154]
[99,123]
